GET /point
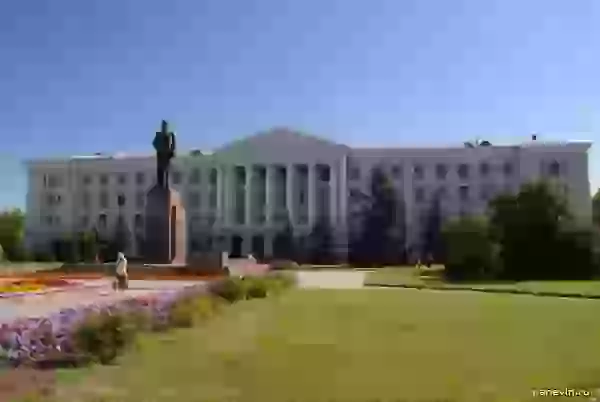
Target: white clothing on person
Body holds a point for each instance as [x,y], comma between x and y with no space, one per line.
[121,264]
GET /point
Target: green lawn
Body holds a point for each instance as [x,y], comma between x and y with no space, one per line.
[363,345]
[410,276]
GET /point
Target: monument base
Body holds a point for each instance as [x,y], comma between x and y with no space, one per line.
[165,240]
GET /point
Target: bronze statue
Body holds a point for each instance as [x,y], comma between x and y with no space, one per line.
[164,144]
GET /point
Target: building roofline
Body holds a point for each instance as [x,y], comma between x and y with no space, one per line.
[198,153]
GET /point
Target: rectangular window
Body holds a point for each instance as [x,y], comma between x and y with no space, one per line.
[324,173]
[195,176]
[484,169]
[53,181]
[418,172]
[397,171]
[441,171]
[463,171]
[140,178]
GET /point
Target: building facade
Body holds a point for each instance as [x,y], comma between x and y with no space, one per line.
[239,197]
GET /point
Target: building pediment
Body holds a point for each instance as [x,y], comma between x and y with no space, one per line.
[280,145]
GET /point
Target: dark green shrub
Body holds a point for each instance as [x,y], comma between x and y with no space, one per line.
[102,337]
[140,320]
[17,253]
[281,280]
[576,250]
[42,256]
[182,314]
[538,236]
[205,307]
[470,253]
[230,289]
[187,312]
[257,288]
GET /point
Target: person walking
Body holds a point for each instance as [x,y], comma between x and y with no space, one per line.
[121,278]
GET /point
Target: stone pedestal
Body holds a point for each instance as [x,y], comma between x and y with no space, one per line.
[165,239]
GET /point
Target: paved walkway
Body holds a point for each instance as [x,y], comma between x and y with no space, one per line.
[39,305]
[331,279]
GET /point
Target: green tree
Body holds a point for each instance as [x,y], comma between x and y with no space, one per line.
[470,252]
[320,242]
[432,234]
[381,236]
[87,245]
[596,209]
[12,233]
[537,235]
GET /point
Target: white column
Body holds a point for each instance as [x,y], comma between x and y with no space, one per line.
[248,194]
[269,186]
[289,197]
[219,191]
[312,194]
[333,196]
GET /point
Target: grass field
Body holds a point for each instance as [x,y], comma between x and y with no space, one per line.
[362,345]
[409,276]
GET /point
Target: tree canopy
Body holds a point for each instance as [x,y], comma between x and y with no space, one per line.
[596,208]
[12,232]
[381,236]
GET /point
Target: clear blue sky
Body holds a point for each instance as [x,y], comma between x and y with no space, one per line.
[98,75]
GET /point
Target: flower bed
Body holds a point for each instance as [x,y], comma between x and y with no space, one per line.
[50,340]
[101,331]
[31,286]
[21,287]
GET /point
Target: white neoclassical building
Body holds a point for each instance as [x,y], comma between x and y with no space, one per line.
[238,197]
